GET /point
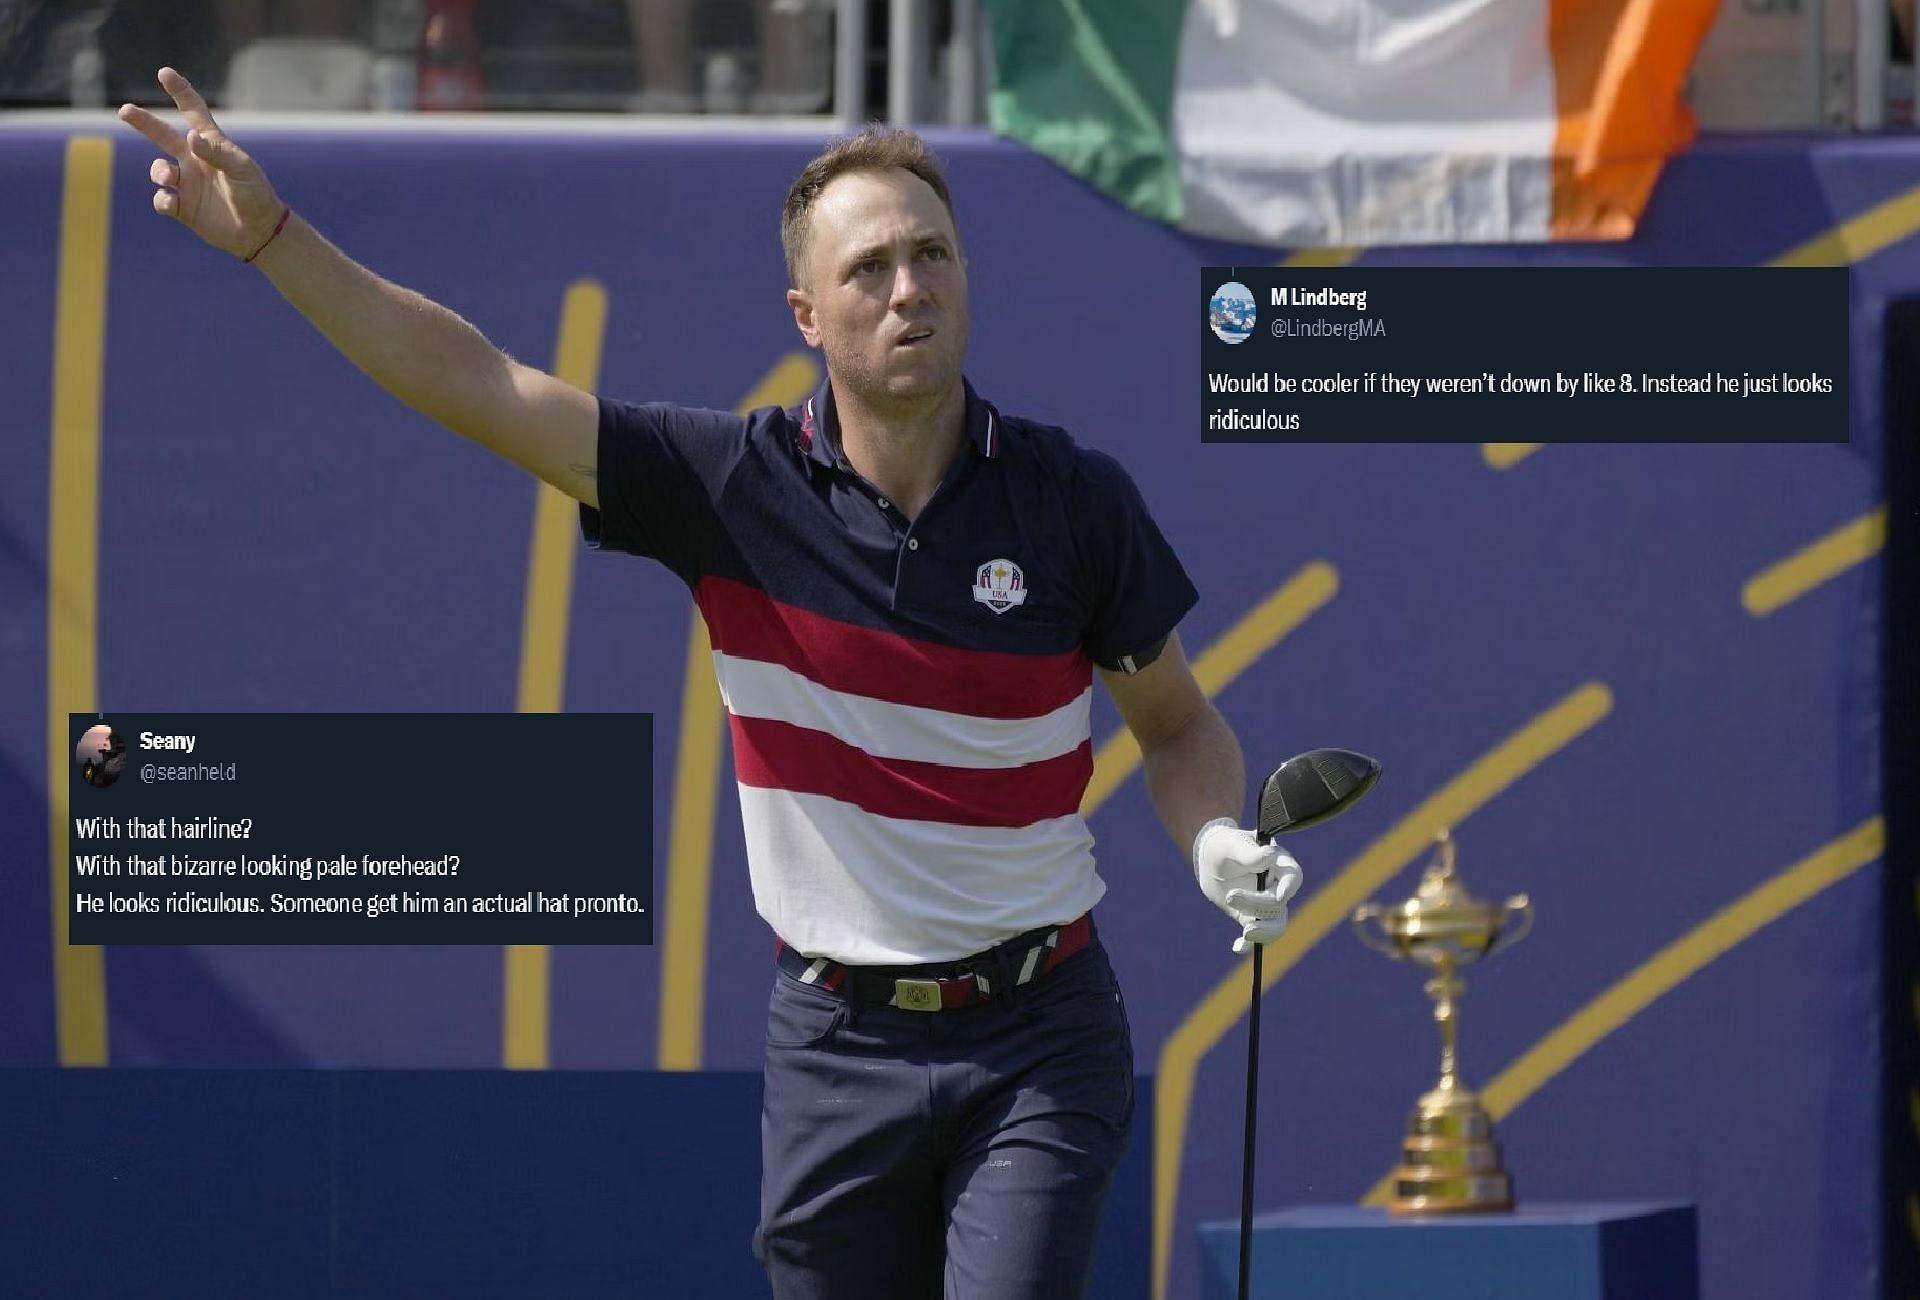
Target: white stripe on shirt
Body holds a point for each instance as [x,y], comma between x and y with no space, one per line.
[755,689]
[834,881]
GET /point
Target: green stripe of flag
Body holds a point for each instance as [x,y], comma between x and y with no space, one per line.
[1094,96]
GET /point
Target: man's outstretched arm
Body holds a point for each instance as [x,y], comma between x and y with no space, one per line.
[417,350]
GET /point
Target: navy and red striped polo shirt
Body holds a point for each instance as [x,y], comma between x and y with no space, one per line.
[908,699]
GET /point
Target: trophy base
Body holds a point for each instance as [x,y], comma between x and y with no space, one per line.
[1450,1162]
[1420,1192]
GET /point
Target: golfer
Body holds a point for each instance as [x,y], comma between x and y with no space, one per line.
[908,593]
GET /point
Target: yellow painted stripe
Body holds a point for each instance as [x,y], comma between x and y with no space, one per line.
[1328,908]
[1672,965]
[792,378]
[1322,257]
[1845,244]
[1505,455]
[526,1007]
[1861,237]
[73,566]
[1851,241]
[524,1037]
[549,596]
[1291,603]
[1717,935]
[696,789]
[1828,558]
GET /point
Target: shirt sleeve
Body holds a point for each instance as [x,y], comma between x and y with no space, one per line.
[1139,591]
[662,469]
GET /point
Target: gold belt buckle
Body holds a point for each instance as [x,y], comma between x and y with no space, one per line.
[916,995]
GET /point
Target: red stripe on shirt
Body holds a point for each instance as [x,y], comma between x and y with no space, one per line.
[749,624]
[780,756]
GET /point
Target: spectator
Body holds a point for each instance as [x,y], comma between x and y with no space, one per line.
[663,55]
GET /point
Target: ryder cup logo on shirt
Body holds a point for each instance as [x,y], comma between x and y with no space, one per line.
[999,585]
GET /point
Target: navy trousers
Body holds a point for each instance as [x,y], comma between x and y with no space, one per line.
[908,1155]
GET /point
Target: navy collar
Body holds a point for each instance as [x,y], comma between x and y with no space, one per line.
[819,435]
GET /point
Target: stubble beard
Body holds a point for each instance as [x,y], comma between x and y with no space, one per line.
[876,387]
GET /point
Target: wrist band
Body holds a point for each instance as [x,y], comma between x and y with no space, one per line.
[285,212]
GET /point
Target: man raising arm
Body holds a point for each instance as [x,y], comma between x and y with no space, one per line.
[907,595]
[423,354]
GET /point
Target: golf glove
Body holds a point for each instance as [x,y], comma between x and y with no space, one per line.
[1227,861]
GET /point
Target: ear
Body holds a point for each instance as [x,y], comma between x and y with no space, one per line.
[802,306]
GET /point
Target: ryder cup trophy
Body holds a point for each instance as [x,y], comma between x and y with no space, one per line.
[1450,1160]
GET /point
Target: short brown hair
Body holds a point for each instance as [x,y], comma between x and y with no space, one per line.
[875,149]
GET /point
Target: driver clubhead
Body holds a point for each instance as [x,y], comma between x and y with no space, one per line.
[1312,787]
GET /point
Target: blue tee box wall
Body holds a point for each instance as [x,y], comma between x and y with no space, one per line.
[117,1183]
[1538,1252]
[408,1183]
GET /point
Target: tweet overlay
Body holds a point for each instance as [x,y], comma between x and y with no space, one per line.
[429,828]
[1524,354]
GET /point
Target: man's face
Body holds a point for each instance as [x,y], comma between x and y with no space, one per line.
[884,292]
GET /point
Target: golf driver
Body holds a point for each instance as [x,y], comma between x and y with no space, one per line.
[1304,791]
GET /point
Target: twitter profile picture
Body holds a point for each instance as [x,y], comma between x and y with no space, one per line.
[1230,312]
[100,756]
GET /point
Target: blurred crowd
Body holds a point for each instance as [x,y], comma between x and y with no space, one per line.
[647,56]
[670,56]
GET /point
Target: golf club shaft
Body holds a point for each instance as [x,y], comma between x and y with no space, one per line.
[1253,1085]
[1304,791]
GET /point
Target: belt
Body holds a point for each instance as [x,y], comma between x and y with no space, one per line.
[945,986]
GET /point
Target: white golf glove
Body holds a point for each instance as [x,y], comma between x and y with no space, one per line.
[1227,861]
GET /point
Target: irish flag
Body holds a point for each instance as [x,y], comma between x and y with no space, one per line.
[1356,122]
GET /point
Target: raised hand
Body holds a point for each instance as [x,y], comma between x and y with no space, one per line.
[209,184]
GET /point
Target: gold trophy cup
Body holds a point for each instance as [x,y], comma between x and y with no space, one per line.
[1450,1160]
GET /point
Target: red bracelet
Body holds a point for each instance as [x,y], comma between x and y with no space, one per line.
[285,212]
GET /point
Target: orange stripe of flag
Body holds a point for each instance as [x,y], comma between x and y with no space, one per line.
[1619,66]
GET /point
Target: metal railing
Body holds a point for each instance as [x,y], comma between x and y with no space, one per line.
[1767,64]
[916,64]
[1869,64]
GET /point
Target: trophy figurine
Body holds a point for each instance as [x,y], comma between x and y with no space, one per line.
[1450,1161]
